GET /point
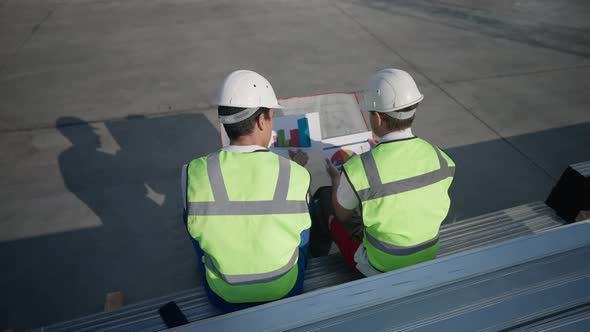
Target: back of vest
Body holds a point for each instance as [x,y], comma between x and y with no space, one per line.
[403,187]
[247,211]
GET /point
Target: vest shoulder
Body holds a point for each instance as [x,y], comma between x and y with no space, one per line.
[354,161]
[198,162]
[426,143]
[414,143]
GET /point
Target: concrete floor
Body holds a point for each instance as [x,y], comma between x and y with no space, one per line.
[102,101]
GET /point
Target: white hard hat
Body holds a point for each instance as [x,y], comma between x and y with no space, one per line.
[245,89]
[391,90]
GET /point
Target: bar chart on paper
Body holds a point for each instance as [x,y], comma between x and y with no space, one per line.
[297,137]
[297,131]
[291,131]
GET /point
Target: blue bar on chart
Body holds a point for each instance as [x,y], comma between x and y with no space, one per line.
[303,131]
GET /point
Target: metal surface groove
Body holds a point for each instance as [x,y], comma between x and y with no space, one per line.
[534,206]
[130,310]
[329,270]
[497,284]
[582,168]
[475,243]
[498,232]
[570,322]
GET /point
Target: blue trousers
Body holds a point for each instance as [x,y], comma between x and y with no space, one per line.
[228,306]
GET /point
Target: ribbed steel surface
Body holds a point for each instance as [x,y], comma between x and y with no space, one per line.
[582,168]
[326,271]
[493,288]
[571,321]
[496,227]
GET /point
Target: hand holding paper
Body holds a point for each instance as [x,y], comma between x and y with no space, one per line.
[373,142]
[299,156]
[333,171]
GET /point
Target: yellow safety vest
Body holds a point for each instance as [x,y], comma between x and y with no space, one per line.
[247,211]
[403,189]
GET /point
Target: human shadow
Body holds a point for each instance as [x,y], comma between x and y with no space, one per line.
[141,248]
[136,192]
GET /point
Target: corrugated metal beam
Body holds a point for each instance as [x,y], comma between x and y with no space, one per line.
[374,291]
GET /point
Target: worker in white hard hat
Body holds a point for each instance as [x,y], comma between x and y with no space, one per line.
[246,208]
[385,210]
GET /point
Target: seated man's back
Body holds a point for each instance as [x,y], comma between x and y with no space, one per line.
[403,189]
[246,207]
[247,210]
[401,186]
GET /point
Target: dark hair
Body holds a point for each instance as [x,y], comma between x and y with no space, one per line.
[244,127]
[397,124]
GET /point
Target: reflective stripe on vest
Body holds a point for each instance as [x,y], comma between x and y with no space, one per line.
[222,206]
[255,278]
[392,249]
[378,189]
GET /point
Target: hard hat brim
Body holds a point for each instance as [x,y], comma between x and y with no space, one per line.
[363,98]
[276,106]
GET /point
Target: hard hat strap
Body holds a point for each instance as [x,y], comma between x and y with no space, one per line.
[238,117]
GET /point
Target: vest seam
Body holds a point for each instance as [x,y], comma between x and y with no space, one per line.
[355,192]
[290,265]
[431,242]
[452,176]
[186,195]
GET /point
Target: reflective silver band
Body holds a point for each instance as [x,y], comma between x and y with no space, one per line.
[256,278]
[401,115]
[246,208]
[238,117]
[377,189]
[216,178]
[222,206]
[371,171]
[392,249]
[282,188]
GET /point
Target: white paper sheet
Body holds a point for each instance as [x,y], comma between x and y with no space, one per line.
[288,123]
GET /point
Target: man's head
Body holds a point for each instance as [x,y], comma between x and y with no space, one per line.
[383,123]
[392,98]
[245,104]
[260,121]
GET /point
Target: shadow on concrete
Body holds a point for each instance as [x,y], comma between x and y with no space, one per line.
[142,248]
[493,175]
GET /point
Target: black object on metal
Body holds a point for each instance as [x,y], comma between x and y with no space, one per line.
[571,194]
[171,315]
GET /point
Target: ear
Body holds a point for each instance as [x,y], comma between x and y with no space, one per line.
[379,119]
[260,122]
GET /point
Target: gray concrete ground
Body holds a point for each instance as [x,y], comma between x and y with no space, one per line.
[102,101]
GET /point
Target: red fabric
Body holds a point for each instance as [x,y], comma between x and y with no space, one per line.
[343,240]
